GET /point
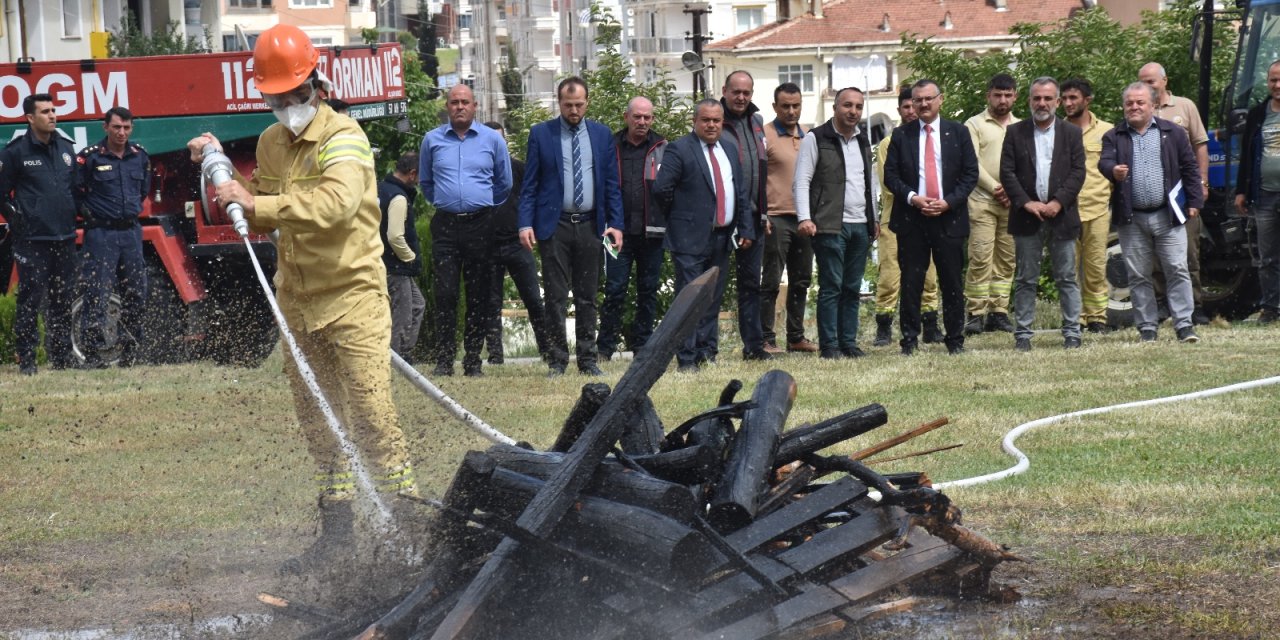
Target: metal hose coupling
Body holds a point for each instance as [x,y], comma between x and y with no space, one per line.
[217,168]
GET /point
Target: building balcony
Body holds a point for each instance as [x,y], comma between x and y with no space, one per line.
[663,45]
[357,20]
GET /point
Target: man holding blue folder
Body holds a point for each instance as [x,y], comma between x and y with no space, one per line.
[1157,190]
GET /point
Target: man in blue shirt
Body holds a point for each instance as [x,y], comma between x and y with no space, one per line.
[113,179]
[465,171]
[570,201]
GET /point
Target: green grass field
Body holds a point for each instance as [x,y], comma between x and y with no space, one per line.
[168,493]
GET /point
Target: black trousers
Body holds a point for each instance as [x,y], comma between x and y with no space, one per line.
[46,271]
[461,248]
[916,247]
[701,345]
[571,260]
[748,263]
[511,257]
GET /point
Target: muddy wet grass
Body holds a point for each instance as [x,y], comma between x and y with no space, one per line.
[169,495]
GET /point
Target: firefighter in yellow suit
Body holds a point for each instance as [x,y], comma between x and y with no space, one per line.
[315,183]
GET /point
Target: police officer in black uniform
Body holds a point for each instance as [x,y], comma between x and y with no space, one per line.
[36,180]
[113,179]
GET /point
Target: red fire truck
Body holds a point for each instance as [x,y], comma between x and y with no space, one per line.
[204,300]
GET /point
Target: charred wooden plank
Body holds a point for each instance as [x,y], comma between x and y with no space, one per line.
[739,595]
[821,599]
[784,492]
[797,443]
[833,496]
[589,402]
[742,485]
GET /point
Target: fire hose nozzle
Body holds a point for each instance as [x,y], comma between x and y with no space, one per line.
[217,168]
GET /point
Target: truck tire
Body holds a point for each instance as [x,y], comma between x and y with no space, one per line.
[111,354]
[1119,305]
[239,330]
[164,327]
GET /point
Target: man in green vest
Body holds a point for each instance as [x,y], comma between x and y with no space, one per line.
[835,207]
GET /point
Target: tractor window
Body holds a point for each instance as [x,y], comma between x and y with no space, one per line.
[1260,49]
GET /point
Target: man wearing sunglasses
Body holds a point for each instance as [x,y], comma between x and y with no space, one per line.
[315,184]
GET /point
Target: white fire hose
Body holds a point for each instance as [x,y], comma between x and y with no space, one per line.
[1024,463]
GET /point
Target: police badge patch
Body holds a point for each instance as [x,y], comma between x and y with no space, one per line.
[66,157]
[1177,120]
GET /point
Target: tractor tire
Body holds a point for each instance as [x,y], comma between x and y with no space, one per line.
[239,329]
[1228,290]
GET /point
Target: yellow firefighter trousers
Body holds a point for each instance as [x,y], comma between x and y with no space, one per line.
[1091,250]
[990,276]
[889,282]
[352,363]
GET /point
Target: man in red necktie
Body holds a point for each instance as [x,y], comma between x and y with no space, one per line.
[931,168]
[703,197]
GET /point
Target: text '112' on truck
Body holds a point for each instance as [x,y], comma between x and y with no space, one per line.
[203,297]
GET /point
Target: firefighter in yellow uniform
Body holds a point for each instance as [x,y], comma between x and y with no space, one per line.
[1094,203]
[989,279]
[889,280]
[315,184]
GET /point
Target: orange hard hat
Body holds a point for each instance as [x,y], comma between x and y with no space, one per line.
[282,58]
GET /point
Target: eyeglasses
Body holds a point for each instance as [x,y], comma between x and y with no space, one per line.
[301,94]
[924,99]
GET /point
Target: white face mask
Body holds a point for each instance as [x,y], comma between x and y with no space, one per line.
[296,117]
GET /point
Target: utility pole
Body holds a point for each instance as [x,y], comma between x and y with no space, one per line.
[697,38]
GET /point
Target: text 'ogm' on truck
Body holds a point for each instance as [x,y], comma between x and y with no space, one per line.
[203,297]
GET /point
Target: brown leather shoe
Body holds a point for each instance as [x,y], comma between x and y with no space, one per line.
[805,345]
[773,349]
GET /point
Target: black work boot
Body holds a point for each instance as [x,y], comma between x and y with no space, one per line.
[973,326]
[997,321]
[929,330]
[335,545]
[884,330]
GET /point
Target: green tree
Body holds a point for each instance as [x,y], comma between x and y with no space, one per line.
[1089,45]
[130,41]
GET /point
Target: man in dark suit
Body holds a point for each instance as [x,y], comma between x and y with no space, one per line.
[931,168]
[570,200]
[701,188]
[1042,172]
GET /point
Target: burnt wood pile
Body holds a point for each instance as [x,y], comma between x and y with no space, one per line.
[729,525]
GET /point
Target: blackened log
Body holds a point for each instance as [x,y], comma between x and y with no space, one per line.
[623,534]
[799,442]
[589,402]
[643,435]
[611,482]
[691,465]
[744,482]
